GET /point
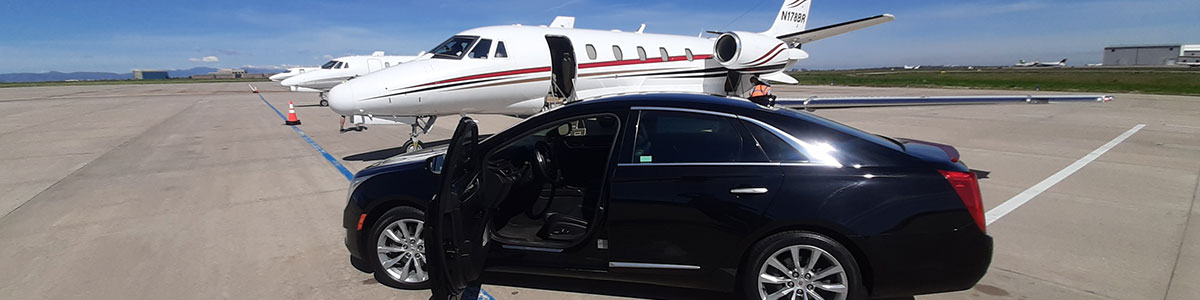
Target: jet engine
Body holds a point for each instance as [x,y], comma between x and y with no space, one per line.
[753,53]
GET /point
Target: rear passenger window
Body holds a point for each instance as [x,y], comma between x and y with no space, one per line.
[680,137]
[688,51]
[776,149]
[591,52]
[617,53]
[663,53]
[641,53]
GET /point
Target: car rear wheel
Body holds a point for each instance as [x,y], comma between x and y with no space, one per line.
[399,259]
[801,265]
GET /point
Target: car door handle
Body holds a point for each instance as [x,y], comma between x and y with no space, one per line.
[749,191]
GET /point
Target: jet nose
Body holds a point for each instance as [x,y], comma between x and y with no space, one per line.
[290,81]
[342,99]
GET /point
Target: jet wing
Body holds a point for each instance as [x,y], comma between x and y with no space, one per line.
[835,29]
[846,102]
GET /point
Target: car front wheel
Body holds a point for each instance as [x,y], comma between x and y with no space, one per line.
[399,250]
[801,265]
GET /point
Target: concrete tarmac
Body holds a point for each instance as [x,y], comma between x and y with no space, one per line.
[197,191]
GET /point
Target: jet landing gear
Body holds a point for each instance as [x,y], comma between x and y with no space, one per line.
[420,126]
[324,99]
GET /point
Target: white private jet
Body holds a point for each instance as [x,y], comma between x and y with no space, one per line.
[520,70]
[908,67]
[291,72]
[339,70]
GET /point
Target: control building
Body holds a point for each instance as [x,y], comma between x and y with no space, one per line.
[1151,55]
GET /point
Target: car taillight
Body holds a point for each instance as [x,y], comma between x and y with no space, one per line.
[967,187]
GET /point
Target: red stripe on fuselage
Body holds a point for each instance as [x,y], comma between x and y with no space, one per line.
[581,66]
[505,73]
[639,61]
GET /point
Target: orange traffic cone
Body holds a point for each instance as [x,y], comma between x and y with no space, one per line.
[292,119]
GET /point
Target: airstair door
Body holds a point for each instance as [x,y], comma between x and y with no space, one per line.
[563,67]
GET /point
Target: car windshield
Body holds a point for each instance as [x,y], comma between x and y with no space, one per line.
[454,48]
[329,65]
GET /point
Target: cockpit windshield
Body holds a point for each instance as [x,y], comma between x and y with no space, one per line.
[454,48]
[329,65]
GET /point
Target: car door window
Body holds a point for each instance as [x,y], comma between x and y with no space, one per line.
[684,137]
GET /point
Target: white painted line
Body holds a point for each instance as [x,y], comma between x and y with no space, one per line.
[1183,126]
[1020,199]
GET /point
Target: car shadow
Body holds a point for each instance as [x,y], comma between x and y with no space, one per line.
[598,287]
[389,152]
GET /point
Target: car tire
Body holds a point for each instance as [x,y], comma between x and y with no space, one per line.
[834,275]
[406,266]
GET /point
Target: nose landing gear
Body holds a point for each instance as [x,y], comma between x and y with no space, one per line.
[420,125]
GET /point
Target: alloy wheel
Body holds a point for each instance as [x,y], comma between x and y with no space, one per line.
[401,251]
[802,272]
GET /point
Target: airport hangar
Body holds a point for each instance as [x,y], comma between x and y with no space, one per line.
[1151,55]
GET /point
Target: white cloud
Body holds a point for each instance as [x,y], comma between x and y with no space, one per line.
[210,59]
[327,56]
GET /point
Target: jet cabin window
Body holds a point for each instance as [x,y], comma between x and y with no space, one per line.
[339,65]
[688,51]
[345,65]
[454,48]
[329,65]
[500,51]
[663,52]
[641,53]
[617,53]
[591,51]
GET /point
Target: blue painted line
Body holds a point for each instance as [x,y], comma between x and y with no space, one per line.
[332,161]
[483,295]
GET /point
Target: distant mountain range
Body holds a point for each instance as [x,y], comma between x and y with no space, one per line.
[60,76]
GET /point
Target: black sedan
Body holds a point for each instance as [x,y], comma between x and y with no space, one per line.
[682,190]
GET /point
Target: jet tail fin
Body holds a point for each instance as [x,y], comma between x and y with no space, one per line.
[792,18]
[834,30]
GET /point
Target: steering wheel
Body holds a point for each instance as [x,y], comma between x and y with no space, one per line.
[543,162]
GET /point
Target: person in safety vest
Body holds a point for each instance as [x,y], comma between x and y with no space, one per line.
[761,94]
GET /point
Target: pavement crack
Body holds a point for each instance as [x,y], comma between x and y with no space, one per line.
[1187,221]
[106,153]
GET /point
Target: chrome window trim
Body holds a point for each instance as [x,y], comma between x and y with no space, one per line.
[813,160]
[688,110]
[617,264]
[721,164]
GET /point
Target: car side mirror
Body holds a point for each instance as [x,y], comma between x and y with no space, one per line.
[434,163]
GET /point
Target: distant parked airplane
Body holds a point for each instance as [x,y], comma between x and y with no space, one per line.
[292,72]
[341,69]
[1023,63]
[908,67]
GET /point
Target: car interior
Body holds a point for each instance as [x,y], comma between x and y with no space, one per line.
[547,185]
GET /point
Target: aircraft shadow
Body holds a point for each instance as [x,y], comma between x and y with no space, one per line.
[389,152]
[597,287]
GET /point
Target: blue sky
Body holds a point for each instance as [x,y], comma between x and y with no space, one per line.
[51,35]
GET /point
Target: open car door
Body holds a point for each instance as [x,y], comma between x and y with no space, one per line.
[457,217]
